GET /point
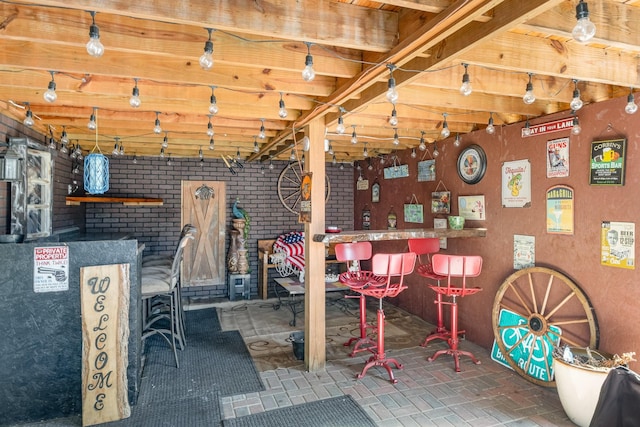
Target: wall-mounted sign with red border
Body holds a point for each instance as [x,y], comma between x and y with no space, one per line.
[549,127]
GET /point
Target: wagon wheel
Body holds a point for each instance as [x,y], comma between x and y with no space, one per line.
[289,187]
[536,309]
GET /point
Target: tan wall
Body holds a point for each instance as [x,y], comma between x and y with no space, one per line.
[614,292]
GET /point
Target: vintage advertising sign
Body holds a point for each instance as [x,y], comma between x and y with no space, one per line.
[524,251]
[608,161]
[305,198]
[104,305]
[549,127]
[396,171]
[618,244]
[51,269]
[560,210]
[558,158]
[516,184]
[532,353]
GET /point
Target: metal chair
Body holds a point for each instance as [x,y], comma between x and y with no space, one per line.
[459,267]
[393,267]
[355,278]
[424,249]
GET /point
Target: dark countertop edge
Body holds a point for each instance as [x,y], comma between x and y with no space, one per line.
[376,235]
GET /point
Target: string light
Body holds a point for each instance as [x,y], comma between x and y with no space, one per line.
[576,102]
[422,146]
[262,134]
[210,131]
[308,74]
[169,161]
[206,60]
[94,46]
[134,101]
[584,29]
[157,129]
[491,129]
[354,137]
[413,153]
[116,150]
[436,153]
[396,139]
[529,97]
[238,154]
[200,153]
[162,152]
[165,140]
[365,152]
[333,160]
[330,151]
[64,149]
[370,166]
[292,156]
[465,89]
[271,166]
[631,106]
[392,92]
[135,160]
[91,124]
[211,144]
[445,132]
[576,129]
[28,117]
[456,142]
[282,112]
[121,149]
[340,127]
[64,138]
[50,94]
[393,120]
[527,129]
[213,102]
[255,146]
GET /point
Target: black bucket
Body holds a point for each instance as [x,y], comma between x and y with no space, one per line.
[297,340]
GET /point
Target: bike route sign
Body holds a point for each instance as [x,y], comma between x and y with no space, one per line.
[539,346]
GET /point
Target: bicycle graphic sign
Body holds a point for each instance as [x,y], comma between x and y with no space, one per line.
[532,349]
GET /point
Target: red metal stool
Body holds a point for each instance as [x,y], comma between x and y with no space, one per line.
[393,267]
[424,248]
[461,267]
[355,278]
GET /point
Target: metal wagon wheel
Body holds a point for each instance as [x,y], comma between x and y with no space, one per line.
[289,187]
[536,309]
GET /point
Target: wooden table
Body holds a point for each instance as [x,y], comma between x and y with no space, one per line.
[288,288]
[412,233]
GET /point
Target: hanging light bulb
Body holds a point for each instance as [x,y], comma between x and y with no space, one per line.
[445,132]
[340,127]
[465,89]
[271,166]
[255,146]
[334,160]
[354,137]
[162,152]
[396,139]
[282,112]
[422,146]
[200,153]
[392,92]
[165,140]
[365,152]
[341,166]
[436,153]
[456,142]
[262,134]
[121,149]
[157,129]
[116,150]
[491,129]
[393,120]
[576,102]
[527,129]
[584,29]
[292,156]
[213,102]
[94,47]
[64,138]
[382,160]
[238,154]
[28,117]
[330,151]
[134,101]
[78,151]
[631,106]
[65,150]
[52,143]
[211,144]
[576,129]
[370,166]
[413,153]
[91,124]
[262,170]
[529,97]
[206,60]
[202,163]
[169,161]
[210,131]
[308,74]
[135,160]
[50,94]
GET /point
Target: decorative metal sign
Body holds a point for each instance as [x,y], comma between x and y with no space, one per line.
[549,127]
[608,161]
[396,171]
[305,198]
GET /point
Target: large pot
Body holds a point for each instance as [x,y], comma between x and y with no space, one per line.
[579,387]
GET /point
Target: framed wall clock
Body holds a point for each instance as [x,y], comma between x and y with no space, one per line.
[472,164]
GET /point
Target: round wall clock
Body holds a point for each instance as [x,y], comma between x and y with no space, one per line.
[472,164]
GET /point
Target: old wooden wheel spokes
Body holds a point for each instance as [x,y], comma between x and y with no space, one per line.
[289,187]
[536,309]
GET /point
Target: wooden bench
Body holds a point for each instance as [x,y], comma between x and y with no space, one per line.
[265,248]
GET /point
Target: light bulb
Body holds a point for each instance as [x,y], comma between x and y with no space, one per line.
[169,162]
[94,47]
[201,163]
[115,151]
[365,152]
[73,154]
[333,159]
[121,150]
[52,144]
[341,166]
[211,144]
[135,160]
[262,170]
[436,153]
[370,167]
[91,124]
[631,106]
[413,153]
[392,92]
[213,104]
[354,137]
[271,166]
[206,60]
[584,29]
[64,138]
[422,146]
[465,89]
[157,128]
[210,131]
[576,102]
[308,74]
[162,152]
[456,142]
[491,129]
[445,132]
[527,130]
[64,149]
[165,141]
[262,134]
[393,120]
[255,146]
[330,151]
[282,112]
[134,101]
[200,153]
[28,119]
[50,94]
[340,127]
[396,140]
[292,157]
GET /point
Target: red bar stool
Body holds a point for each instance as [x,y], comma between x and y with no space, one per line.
[458,266]
[355,278]
[424,248]
[393,267]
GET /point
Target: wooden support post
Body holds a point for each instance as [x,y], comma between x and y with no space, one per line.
[314,298]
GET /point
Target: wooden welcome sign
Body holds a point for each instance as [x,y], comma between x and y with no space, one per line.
[104,293]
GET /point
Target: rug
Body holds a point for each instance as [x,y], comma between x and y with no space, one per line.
[266,331]
[341,411]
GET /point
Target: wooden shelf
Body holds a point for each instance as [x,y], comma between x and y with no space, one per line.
[127,201]
[374,235]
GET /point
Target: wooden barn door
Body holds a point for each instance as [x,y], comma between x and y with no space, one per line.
[204,206]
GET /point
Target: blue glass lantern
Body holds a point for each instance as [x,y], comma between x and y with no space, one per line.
[96,173]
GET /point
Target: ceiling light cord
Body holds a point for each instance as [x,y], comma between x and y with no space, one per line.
[206,60]
[308,73]
[94,47]
[584,29]
[466,89]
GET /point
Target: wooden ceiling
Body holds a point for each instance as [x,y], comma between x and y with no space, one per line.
[259,51]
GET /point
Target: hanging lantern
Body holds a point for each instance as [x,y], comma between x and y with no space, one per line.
[392,219]
[96,173]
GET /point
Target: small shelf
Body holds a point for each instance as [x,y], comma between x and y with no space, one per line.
[127,201]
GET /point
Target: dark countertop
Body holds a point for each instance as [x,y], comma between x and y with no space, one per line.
[375,235]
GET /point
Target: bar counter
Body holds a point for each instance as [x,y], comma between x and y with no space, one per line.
[412,233]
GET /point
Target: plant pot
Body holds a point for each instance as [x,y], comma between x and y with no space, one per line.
[579,387]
